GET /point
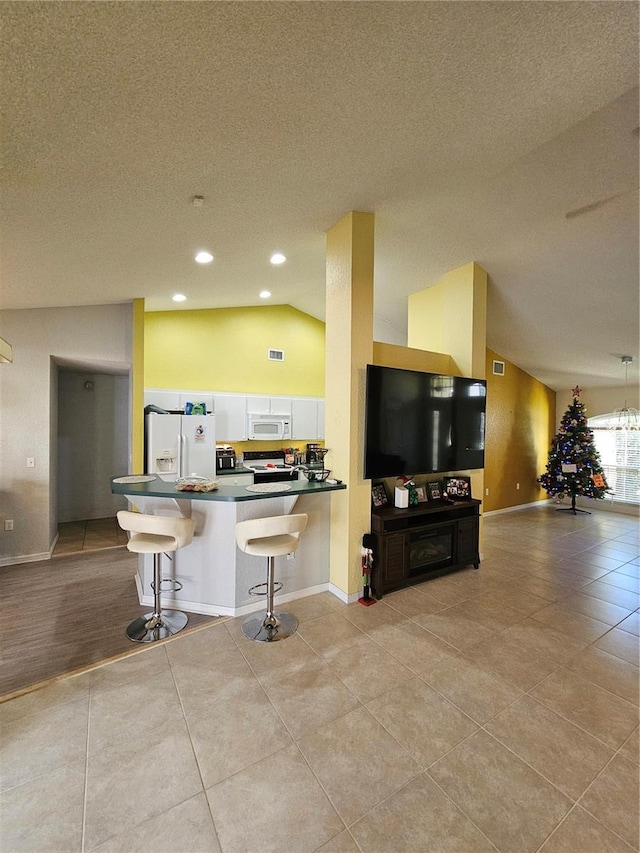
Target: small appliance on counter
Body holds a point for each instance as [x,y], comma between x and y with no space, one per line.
[225,457]
[316,454]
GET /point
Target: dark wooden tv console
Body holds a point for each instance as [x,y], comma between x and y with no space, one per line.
[422,542]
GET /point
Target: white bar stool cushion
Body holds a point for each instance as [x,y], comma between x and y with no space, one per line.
[153,533]
[272,536]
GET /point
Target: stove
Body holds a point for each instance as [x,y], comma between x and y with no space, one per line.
[268,466]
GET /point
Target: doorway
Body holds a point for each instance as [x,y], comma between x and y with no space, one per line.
[92,447]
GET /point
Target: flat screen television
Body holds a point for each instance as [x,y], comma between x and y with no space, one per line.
[422,423]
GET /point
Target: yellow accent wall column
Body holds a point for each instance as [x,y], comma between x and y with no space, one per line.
[137,388]
[451,317]
[349,347]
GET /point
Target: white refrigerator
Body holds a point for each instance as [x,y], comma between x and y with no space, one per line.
[180,445]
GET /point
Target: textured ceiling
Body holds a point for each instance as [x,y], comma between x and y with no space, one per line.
[469,129]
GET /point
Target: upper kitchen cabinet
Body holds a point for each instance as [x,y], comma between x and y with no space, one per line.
[175,401]
[197,397]
[321,407]
[268,405]
[231,417]
[304,418]
[169,400]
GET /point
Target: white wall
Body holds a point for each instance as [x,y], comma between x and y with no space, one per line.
[98,336]
[598,401]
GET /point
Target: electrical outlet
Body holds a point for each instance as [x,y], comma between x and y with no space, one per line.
[517,485]
[31,462]
[8,524]
[291,556]
[486,491]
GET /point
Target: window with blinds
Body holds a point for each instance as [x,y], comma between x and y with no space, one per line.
[619,451]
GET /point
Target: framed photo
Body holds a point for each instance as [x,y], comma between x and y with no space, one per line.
[379,495]
[457,488]
[434,491]
[421,491]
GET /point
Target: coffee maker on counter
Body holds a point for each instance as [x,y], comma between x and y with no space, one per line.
[316,454]
[225,457]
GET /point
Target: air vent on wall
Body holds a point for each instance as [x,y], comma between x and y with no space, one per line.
[498,368]
[275,354]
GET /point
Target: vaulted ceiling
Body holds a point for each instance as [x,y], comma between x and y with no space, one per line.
[499,132]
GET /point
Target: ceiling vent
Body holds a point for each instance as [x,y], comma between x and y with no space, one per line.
[275,355]
[498,368]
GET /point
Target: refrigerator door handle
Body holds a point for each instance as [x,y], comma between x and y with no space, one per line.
[181,450]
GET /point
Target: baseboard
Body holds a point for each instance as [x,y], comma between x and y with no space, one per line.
[347,598]
[217,610]
[515,508]
[607,505]
[583,503]
[25,558]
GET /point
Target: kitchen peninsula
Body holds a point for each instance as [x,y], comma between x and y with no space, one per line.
[215,575]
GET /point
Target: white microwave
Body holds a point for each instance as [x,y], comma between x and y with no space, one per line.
[268,427]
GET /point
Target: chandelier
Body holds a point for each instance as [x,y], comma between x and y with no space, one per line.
[626,417]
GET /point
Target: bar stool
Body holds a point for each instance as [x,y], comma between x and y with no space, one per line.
[156,534]
[270,537]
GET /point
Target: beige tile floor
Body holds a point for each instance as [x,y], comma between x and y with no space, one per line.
[490,710]
[91,535]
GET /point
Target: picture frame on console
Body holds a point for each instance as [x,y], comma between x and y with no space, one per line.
[379,496]
[434,491]
[421,491]
[457,488]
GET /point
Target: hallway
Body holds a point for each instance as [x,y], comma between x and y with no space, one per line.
[91,535]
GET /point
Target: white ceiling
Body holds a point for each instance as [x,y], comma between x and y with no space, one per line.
[469,129]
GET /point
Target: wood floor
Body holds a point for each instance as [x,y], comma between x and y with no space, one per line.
[67,614]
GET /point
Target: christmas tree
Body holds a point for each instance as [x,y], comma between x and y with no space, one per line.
[574,466]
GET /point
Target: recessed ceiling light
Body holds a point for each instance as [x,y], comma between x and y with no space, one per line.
[278,258]
[265,294]
[204,258]
[179,297]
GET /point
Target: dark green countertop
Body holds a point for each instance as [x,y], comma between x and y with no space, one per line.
[162,489]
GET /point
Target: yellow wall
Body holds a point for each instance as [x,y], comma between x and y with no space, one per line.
[451,317]
[225,349]
[350,252]
[520,425]
[391,355]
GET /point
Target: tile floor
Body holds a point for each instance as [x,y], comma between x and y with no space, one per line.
[91,535]
[490,710]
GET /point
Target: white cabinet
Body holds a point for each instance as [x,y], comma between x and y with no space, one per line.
[306,413]
[197,397]
[321,432]
[304,419]
[169,400]
[231,417]
[174,401]
[268,405]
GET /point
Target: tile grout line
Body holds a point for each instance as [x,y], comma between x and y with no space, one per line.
[193,749]
[85,796]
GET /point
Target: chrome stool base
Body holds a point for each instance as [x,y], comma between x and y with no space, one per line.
[260,626]
[149,628]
